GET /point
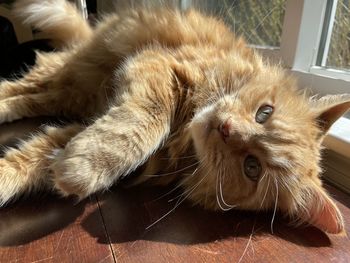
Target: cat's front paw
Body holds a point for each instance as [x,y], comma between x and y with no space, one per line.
[78,174]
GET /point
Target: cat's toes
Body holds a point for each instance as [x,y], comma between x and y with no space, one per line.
[70,177]
[75,175]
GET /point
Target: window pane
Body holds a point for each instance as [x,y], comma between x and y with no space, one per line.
[259,21]
[339,48]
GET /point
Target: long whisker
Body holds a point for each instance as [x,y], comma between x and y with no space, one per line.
[222,196]
[178,158]
[191,175]
[275,209]
[267,189]
[178,186]
[288,188]
[248,243]
[179,202]
[262,178]
[182,194]
[217,196]
[167,193]
[170,173]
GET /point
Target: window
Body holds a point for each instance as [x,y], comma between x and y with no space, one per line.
[260,22]
[335,42]
[307,43]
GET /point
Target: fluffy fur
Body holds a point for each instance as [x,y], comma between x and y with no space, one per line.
[154,88]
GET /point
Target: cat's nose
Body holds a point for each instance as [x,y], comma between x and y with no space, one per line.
[225,129]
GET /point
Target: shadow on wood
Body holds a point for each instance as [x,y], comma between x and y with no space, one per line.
[129,213]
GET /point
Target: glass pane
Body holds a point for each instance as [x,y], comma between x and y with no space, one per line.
[107,6]
[339,48]
[259,21]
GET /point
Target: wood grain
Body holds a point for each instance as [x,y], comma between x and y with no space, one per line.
[114,227]
[48,229]
[190,234]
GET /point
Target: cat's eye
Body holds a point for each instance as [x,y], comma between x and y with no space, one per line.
[263,114]
[252,167]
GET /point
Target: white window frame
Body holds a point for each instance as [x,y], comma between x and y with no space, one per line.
[301,34]
[300,41]
[81,5]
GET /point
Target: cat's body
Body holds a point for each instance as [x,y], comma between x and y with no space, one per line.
[178,93]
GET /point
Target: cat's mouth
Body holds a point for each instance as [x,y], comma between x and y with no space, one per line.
[224,130]
[214,131]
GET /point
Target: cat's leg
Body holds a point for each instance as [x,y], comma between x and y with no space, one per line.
[35,81]
[34,94]
[59,84]
[27,168]
[29,105]
[112,147]
[122,139]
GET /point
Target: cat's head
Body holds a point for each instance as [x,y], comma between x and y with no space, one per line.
[259,148]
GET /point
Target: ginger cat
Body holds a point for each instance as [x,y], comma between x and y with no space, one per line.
[156,84]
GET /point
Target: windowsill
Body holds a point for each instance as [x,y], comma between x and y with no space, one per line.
[337,162]
[338,138]
[337,169]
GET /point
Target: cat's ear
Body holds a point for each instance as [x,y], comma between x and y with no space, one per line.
[321,211]
[328,109]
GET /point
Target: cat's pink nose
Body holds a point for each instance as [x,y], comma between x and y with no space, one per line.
[225,129]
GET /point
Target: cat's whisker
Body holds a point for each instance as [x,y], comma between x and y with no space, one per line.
[221,202]
[217,196]
[221,91]
[262,177]
[248,243]
[275,209]
[287,187]
[185,192]
[178,186]
[222,196]
[174,172]
[200,162]
[167,193]
[179,158]
[236,95]
[220,88]
[178,203]
[267,189]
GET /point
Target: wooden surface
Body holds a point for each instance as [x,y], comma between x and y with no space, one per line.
[113,227]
